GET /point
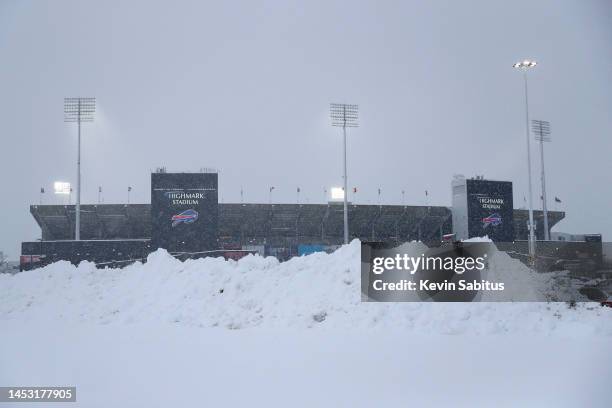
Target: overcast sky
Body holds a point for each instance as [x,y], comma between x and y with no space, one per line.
[244,87]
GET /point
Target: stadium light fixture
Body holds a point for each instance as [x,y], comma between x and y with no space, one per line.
[524,66]
[61,187]
[344,115]
[541,131]
[79,110]
[337,193]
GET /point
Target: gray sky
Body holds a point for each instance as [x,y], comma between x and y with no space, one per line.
[244,87]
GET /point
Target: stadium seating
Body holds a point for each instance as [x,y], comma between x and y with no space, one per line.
[273,224]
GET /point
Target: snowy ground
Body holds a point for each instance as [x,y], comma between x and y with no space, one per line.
[317,291]
[176,366]
[156,335]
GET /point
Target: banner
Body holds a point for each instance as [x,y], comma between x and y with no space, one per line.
[184,211]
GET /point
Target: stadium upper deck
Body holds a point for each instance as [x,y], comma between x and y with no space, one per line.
[273,224]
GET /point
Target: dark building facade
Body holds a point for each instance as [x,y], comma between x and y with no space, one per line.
[273,224]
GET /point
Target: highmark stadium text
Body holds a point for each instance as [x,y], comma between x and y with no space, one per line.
[179,198]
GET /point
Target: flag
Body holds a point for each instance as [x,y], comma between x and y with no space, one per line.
[42,190]
[557,200]
[379,191]
[298,189]
[129,188]
[426,193]
[271,188]
[100,189]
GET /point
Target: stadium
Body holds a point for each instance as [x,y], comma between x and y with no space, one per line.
[112,233]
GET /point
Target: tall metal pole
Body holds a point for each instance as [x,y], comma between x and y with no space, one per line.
[77,234]
[544,207]
[541,129]
[531,225]
[79,110]
[344,115]
[346,234]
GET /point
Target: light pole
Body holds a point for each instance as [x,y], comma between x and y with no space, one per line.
[524,66]
[79,110]
[541,130]
[344,115]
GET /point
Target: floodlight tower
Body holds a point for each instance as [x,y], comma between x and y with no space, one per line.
[541,130]
[344,115]
[79,110]
[524,66]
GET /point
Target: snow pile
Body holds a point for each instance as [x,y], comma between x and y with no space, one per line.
[520,282]
[318,290]
[478,239]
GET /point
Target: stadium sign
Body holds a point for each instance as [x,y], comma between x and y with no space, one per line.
[184,211]
[490,209]
[483,208]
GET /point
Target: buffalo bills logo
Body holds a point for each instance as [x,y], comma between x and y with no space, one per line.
[187,217]
[493,220]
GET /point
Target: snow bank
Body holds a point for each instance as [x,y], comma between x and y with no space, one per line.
[318,290]
[521,282]
[478,239]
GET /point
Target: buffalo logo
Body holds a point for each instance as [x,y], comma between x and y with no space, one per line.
[493,220]
[187,217]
